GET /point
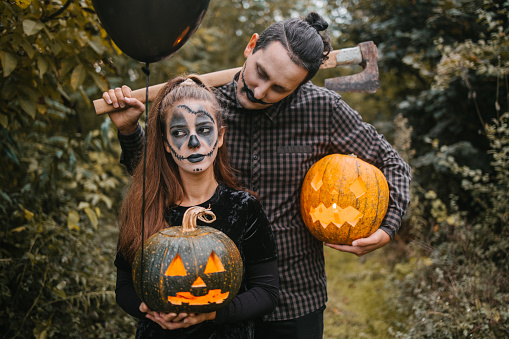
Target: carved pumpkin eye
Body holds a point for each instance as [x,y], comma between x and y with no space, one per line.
[358,187]
[176,268]
[214,264]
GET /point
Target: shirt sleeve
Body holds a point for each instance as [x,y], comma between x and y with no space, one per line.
[132,148]
[125,293]
[261,297]
[352,135]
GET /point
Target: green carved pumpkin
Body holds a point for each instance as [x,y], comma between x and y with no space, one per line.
[187,268]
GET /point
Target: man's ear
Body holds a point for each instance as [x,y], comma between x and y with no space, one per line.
[251,45]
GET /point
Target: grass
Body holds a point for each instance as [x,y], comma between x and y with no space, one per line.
[360,295]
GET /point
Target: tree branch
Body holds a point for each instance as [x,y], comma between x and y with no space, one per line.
[58,12]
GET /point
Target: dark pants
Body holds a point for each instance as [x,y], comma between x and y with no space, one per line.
[309,326]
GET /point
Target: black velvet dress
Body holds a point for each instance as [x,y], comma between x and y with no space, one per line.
[241,217]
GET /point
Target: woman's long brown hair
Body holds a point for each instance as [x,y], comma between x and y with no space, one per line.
[163,186]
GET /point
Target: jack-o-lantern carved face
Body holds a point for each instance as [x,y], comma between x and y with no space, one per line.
[343,199]
[177,269]
[188,271]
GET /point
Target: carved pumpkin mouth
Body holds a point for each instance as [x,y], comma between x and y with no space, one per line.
[213,296]
[335,215]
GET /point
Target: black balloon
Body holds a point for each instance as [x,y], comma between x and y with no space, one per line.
[150,30]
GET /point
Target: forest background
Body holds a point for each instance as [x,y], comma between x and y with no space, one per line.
[443,104]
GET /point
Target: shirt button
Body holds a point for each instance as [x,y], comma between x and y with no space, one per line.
[255,156]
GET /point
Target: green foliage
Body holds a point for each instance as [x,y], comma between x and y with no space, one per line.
[456,285]
[446,63]
[57,275]
[441,64]
[459,285]
[59,177]
[48,54]
[62,286]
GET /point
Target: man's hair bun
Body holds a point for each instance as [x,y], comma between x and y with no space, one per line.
[316,21]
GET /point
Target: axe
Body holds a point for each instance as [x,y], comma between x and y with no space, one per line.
[364,54]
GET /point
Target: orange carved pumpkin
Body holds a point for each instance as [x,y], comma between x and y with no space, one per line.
[188,268]
[343,199]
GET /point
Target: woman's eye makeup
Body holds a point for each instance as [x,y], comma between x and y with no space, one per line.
[192,130]
[205,130]
[186,122]
[178,133]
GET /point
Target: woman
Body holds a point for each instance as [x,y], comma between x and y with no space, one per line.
[187,166]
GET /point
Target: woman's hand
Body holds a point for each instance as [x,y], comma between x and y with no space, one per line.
[172,321]
[131,109]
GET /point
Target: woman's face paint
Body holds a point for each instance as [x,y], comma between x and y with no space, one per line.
[192,136]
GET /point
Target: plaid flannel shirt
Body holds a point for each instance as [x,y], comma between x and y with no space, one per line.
[273,149]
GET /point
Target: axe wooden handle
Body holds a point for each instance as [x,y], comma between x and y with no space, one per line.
[340,57]
[213,79]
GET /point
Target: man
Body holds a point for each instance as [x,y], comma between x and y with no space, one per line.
[279,125]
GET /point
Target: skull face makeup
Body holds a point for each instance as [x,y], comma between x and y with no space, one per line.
[192,136]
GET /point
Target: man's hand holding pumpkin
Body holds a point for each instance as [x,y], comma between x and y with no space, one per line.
[363,246]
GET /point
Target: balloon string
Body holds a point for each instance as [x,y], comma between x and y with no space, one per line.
[146,70]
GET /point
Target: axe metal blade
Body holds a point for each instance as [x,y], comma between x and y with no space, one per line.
[366,81]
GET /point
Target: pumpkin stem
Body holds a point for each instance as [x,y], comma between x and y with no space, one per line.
[196,212]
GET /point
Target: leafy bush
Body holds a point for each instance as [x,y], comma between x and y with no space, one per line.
[58,240]
[59,177]
[458,286]
[454,282]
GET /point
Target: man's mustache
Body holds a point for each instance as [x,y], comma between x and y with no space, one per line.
[250,94]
